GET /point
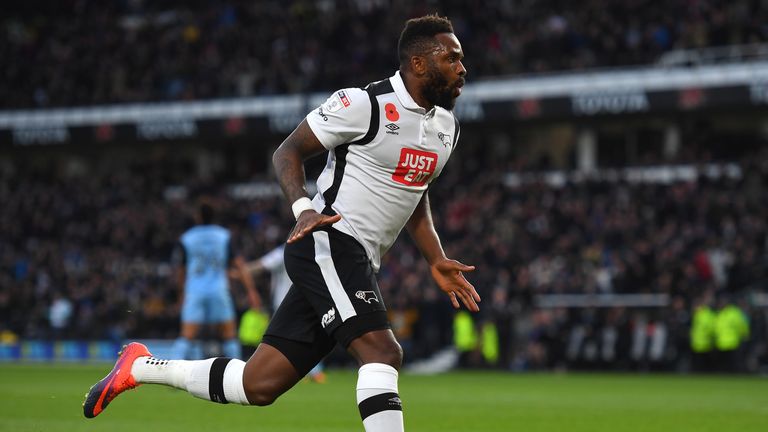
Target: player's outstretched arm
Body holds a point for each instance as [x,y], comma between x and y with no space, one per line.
[288,161]
[448,273]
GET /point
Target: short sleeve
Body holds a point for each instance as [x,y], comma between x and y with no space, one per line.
[344,117]
[273,260]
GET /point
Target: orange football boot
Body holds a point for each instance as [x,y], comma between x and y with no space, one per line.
[117,381]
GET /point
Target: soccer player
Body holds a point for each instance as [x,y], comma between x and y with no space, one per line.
[202,258]
[386,144]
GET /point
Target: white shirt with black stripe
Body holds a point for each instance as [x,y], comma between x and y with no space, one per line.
[384,151]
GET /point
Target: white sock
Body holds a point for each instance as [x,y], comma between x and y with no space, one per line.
[377,398]
[215,379]
[151,370]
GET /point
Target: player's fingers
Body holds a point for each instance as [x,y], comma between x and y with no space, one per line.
[329,220]
[475,295]
[463,267]
[320,221]
[468,301]
[292,235]
[465,285]
[470,289]
[454,302]
[298,232]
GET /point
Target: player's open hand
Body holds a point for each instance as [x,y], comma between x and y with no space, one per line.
[308,221]
[449,275]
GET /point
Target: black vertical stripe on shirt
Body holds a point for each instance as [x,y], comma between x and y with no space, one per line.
[330,194]
[373,90]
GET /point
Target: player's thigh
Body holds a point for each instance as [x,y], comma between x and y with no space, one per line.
[296,333]
[267,375]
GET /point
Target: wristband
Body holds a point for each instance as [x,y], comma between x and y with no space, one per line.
[300,205]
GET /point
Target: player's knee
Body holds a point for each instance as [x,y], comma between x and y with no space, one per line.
[397,356]
[258,395]
[377,347]
[390,353]
[261,399]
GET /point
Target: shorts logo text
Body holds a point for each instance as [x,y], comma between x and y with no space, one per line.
[415,167]
[328,317]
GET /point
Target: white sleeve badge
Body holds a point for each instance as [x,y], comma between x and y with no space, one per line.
[336,102]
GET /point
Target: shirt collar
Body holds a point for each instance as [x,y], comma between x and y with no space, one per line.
[402,93]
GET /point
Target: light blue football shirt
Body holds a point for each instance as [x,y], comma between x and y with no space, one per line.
[208,253]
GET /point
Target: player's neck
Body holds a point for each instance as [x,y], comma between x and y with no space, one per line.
[413,86]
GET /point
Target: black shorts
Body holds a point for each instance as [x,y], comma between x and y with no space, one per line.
[334,298]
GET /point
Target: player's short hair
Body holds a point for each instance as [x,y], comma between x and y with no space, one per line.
[206,213]
[418,36]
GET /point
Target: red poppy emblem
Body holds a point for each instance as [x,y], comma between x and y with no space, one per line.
[392,114]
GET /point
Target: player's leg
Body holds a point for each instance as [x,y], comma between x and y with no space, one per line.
[293,344]
[340,283]
[263,378]
[218,380]
[275,367]
[182,347]
[222,312]
[380,357]
[230,345]
[192,315]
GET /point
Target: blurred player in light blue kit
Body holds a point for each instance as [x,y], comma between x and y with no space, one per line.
[202,258]
[280,283]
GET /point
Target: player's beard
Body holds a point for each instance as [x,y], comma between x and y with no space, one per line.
[438,91]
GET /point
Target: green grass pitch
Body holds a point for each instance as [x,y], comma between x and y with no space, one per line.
[48,398]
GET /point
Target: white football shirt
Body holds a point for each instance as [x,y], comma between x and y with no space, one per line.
[384,151]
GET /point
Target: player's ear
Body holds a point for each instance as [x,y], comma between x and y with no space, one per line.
[418,65]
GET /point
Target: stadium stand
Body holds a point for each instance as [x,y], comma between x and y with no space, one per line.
[140,51]
[98,246]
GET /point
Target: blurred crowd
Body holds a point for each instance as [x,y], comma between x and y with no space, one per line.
[80,52]
[87,256]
